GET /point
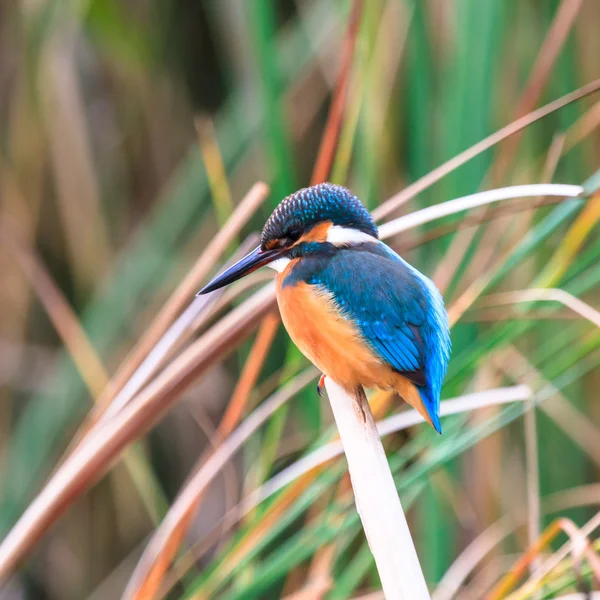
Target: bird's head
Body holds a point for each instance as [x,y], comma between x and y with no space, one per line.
[314,219]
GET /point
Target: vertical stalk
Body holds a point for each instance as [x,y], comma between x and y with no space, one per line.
[376,497]
[533,481]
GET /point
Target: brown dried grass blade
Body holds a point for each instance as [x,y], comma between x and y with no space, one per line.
[215,168]
[544,295]
[249,374]
[476,551]
[550,50]
[331,135]
[582,128]
[446,269]
[199,311]
[399,199]
[60,313]
[553,562]
[380,401]
[581,547]
[163,556]
[80,349]
[190,320]
[188,287]
[65,122]
[183,507]
[555,267]
[473,220]
[103,445]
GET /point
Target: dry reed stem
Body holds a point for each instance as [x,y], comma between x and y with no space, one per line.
[379,402]
[572,241]
[190,320]
[450,207]
[491,250]
[323,560]
[162,557]
[80,349]
[256,195]
[473,220]
[398,422]
[376,497]
[298,476]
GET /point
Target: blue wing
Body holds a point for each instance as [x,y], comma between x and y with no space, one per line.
[398,310]
[387,302]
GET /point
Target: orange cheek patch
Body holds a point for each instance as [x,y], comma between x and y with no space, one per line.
[318,233]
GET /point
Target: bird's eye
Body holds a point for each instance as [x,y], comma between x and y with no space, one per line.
[294,235]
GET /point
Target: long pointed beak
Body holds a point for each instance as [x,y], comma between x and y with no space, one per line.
[252,261]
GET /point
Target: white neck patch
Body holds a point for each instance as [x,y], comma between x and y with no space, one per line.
[279,264]
[347,236]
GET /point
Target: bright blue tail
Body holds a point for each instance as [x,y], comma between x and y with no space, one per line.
[431,401]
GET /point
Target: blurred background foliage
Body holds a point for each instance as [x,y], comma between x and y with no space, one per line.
[129,131]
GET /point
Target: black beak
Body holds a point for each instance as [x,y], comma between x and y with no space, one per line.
[252,261]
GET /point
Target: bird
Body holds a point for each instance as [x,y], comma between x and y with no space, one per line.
[358,311]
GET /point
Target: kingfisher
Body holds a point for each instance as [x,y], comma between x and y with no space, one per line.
[359,312]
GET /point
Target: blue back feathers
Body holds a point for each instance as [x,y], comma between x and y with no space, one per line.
[309,206]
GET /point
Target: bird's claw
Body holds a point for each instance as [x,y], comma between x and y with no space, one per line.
[320,385]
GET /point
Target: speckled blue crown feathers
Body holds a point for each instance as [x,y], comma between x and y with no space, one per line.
[312,205]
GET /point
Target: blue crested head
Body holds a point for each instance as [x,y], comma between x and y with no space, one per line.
[308,207]
[316,219]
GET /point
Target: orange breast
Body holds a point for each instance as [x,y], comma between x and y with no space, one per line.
[327,338]
[333,343]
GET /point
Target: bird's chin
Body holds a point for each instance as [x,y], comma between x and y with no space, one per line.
[279,264]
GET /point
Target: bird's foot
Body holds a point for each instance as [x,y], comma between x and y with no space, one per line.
[320,385]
